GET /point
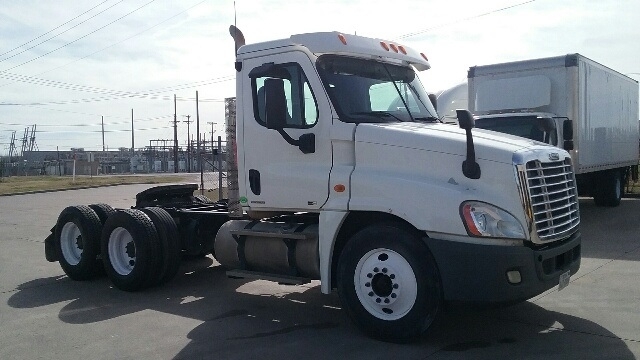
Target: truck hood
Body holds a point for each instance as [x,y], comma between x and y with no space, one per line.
[445,138]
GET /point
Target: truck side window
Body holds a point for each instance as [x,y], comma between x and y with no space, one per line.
[302,111]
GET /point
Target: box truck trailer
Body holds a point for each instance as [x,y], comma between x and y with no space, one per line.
[569,101]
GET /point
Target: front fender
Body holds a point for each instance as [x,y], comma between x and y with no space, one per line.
[426,188]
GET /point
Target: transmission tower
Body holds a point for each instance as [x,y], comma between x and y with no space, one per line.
[12,146]
[32,139]
[25,140]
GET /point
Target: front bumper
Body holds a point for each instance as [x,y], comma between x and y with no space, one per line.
[478,273]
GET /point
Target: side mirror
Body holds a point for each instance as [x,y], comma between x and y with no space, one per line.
[567,130]
[547,124]
[465,119]
[470,168]
[567,134]
[434,101]
[275,104]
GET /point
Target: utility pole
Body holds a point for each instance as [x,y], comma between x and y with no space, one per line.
[198,132]
[59,170]
[102,133]
[188,121]
[212,141]
[175,135]
[132,137]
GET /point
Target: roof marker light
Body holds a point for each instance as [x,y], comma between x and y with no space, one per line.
[394,47]
[342,39]
[424,56]
[384,45]
[402,49]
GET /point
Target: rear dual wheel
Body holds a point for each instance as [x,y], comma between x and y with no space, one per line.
[76,242]
[140,248]
[130,250]
[170,249]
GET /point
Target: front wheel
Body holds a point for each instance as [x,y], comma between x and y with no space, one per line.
[389,283]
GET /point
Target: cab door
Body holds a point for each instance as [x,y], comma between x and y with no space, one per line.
[278,173]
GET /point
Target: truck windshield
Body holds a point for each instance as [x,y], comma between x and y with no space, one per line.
[367,91]
[530,127]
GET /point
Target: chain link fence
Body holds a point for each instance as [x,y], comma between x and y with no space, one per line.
[213,172]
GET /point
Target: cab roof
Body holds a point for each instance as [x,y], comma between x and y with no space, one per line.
[340,43]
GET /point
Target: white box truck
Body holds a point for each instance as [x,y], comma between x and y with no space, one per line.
[339,171]
[570,101]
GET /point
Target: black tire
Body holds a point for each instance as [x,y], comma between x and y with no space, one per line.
[130,250]
[77,242]
[103,211]
[609,188]
[169,240]
[392,270]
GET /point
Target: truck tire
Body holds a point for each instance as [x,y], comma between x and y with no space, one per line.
[169,242]
[77,242]
[389,283]
[103,211]
[130,250]
[609,188]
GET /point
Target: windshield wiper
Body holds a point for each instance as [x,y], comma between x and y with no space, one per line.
[378,114]
[427,119]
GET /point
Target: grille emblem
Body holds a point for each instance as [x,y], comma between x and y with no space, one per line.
[554,156]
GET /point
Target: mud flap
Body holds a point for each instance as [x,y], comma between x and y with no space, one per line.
[49,247]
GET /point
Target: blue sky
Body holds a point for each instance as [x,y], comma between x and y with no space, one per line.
[64,64]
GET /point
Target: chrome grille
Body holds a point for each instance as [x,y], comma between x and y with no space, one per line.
[552,199]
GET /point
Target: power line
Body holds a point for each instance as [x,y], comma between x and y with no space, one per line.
[50,31]
[55,36]
[460,20]
[106,116]
[110,93]
[96,124]
[121,41]
[110,46]
[80,38]
[99,131]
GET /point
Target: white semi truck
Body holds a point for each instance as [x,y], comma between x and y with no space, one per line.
[339,171]
[569,101]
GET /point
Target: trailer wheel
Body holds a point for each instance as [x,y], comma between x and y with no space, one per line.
[103,211]
[389,283]
[609,188]
[169,240]
[130,250]
[77,236]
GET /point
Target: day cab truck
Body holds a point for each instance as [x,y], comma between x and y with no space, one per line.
[569,101]
[339,171]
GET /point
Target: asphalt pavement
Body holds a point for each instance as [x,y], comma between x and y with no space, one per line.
[203,314]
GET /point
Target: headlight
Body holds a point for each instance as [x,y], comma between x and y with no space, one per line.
[482,219]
